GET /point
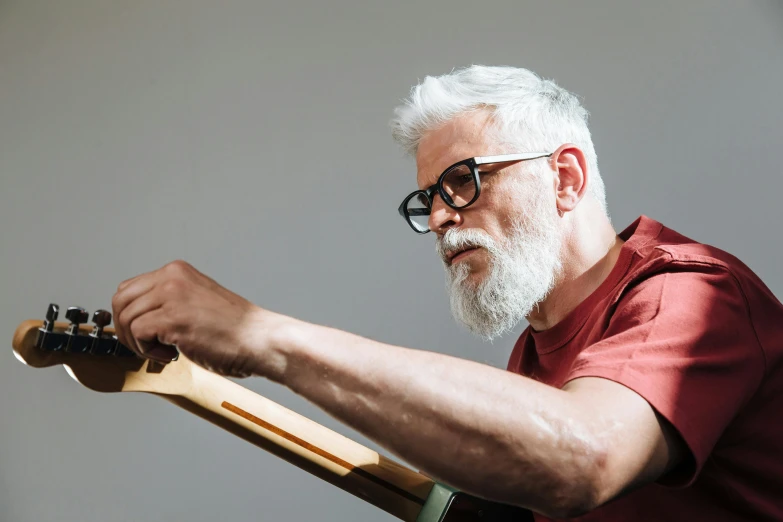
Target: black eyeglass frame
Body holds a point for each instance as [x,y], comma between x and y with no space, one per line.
[473,164]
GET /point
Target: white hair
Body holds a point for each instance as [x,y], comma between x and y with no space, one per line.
[530,112]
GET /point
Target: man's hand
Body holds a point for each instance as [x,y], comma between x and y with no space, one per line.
[179,306]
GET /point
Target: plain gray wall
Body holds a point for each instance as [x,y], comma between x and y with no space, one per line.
[251,140]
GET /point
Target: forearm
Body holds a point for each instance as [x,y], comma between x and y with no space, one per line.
[487,431]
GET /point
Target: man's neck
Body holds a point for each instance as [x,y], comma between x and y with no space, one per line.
[590,252]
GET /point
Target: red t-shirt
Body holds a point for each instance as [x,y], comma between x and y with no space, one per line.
[696,333]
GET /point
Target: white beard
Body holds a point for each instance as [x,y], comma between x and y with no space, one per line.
[523,270]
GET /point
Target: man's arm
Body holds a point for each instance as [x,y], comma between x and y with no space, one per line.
[487,431]
[492,433]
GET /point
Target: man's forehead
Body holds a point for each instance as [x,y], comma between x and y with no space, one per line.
[462,137]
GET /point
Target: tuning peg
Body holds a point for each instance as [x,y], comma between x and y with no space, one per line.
[48,339]
[51,316]
[101,345]
[76,315]
[102,319]
[76,343]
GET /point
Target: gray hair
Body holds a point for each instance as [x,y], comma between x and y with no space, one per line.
[532,113]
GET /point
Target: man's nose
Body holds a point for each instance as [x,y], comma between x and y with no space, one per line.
[442,216]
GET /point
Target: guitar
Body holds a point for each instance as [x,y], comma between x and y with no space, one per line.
[94,357]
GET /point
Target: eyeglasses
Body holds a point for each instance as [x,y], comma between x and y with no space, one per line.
[459,186]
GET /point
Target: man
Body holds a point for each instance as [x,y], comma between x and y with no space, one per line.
[647,387]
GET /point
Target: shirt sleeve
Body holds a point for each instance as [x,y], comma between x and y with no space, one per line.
[684,341]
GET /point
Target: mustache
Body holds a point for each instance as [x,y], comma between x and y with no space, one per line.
[461,239]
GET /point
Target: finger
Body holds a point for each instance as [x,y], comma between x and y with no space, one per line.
[132,289]
[137,287]
[146,330]
[152,300]
[121,300]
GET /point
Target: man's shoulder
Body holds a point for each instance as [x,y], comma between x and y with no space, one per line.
[664,249]
[707,270]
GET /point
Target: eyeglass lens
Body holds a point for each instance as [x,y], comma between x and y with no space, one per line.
[459,184]
[418,211]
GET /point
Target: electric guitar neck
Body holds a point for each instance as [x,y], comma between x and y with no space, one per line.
[94,357]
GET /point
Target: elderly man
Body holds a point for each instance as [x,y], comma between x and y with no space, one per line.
[647,387]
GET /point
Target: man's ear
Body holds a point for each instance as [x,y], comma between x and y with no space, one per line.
[571,176]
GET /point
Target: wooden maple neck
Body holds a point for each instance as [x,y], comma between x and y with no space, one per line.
[358,470]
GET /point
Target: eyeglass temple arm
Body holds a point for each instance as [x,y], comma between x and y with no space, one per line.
[503,158]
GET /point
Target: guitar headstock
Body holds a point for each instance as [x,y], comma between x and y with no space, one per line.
[93,356]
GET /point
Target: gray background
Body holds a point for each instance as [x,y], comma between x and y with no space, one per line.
[251,140]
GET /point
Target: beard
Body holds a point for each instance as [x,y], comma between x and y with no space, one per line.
[522,270]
